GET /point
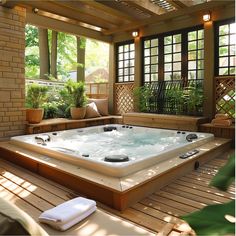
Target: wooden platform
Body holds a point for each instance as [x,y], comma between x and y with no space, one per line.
[57,124]
[177,122]
[158,212]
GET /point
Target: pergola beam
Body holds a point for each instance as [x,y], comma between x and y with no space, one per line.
[177,4]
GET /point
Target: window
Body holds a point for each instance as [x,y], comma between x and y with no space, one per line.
[151,60]
[125,62]
[174,56]
[196,54]
[225,48]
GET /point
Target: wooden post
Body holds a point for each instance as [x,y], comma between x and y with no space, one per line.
[54,54]
[112,79]
[138,67]
[81,42]
[209,89]
[44,53]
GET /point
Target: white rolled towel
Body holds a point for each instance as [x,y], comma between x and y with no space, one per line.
[69,213]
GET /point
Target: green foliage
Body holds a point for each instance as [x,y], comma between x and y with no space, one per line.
[74,93]
[31,36]
[214,219]
[143,98]
[36,95]
[176,99]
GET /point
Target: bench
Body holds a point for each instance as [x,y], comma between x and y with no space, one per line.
[177,122]
[56,124]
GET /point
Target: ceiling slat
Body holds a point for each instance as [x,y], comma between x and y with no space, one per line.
[177,4]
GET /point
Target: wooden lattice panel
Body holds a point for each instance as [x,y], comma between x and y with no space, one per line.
[124,98]
[225,95]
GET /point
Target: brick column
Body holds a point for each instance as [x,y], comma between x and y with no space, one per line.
[12,72]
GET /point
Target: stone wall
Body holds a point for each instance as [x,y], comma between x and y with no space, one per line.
[12,72]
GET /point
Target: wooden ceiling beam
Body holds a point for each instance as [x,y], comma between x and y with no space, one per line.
[170,15]
[177,4]
[146,6]
[67,27]
[8,3]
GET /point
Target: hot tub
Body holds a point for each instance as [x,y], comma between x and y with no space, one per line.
[114,150]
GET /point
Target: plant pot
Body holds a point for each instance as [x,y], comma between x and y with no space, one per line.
[77,112]
[34,116]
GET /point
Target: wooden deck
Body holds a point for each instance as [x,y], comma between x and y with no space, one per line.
[158,212]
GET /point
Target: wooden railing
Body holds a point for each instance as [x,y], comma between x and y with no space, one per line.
[225,95]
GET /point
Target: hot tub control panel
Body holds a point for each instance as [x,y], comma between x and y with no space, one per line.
[188,154]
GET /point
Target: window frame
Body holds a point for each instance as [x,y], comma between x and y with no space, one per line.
[217,25]
[184,51]
[117,45]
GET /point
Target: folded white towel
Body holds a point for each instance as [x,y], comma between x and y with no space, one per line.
[69,213]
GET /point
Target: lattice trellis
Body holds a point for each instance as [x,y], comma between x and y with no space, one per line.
[124,98]
[225,95]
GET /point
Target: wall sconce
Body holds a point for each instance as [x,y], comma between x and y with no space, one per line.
[135,33]
[206,17]
[35,10]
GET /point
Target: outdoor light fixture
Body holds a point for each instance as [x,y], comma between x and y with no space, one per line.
[135,33]
[206,17]
[35,10]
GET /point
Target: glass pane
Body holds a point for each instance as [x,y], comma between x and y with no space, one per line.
[192,55]
[154,77]
[233,39]
[127,63]
[126,48]
[126,55]
[223,51]
[192,75]
[168,40]
[168,58]
[120,72]
[126,78]
[131,54]
[147,69]
[131,62]
[232,71]
[176,75]
[154,60]
[154,42]
[168,49]
[120,64]
[223,61]
[200,34]
[232,50]
[126,71]
[147,77]
[223,40]
[233,28]
[121,56]
[200,64]
[192,45]
[192,35]
[131,70]
[177,47]
[223,71]
[200,74]
[177,66]
[154,68]
[168,76]
[120,79]
[168,67]
[177,38]
[147,52]
[131,78]
[223,29]
[200,54]
[121,48]
[132,47]
[154,51]
[200,44]
[177,57]
[147,60]
[192,65]
[146,43]
[232,61]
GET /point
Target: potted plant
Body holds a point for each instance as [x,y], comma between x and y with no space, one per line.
[36,95]
[77,99]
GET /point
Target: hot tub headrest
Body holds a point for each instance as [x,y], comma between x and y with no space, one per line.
[116,158]
[109,128]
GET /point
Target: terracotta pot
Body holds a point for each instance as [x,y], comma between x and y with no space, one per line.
[77,112]
[34,116]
